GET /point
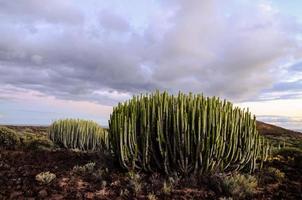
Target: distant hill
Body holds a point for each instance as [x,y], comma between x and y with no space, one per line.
[263,128]
[269,129]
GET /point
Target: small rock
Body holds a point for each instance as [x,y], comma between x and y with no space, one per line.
[43,193]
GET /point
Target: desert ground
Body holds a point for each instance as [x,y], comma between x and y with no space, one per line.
[82,175]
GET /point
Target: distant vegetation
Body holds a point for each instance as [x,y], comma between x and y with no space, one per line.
[11,139]
[79,134]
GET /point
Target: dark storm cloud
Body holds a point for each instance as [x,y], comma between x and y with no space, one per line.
[61,49]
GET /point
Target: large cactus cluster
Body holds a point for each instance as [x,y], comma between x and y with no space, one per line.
[79,134]
[184,134]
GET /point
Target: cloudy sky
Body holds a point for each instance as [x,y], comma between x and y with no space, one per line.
[79,58]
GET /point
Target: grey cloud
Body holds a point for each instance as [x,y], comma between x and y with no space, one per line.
[230,57]
[29,11]
[113,21]
[195,47]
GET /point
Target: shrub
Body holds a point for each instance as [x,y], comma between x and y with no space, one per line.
[9,139]
[167,188]
[85,169]
[100,174]
[35,141]
[134,182]
[45,178]
[289,152]
[276,173]
[78,134]
[184,133]
[292,154]
[151,196]
[240,186]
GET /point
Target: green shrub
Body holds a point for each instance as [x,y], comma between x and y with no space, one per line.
[240,186]
[35,141]
[9,139]
[185,134]
[78,134]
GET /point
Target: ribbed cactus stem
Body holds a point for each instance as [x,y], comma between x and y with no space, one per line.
[184,134]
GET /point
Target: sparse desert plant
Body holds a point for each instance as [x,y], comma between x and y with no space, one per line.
[101,174]
[185,134]
[79,134]
[9,139]
[45,178]
[85,169]
[276,173]
[124,193]
[34,141]
[291,154]
[240,186]
[225,198]
[134,182]
[151,196]
[167,188]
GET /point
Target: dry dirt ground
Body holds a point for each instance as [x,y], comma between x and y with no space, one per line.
[19,167]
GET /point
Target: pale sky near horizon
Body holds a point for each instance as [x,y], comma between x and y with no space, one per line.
[77,59]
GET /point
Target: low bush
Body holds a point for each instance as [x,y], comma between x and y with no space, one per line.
[35,141]
[288,152]
[9,139]
[151,196]
[240,186]
[276,173]
[293,155]
[167,188]
[134,182]
[45,178]
[85,169]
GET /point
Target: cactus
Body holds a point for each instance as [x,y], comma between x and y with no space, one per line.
[183,134]
[79,134]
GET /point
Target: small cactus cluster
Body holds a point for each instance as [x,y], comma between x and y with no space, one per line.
[79,134]
[184,134]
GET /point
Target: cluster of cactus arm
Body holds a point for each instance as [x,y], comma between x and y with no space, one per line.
[185,134]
